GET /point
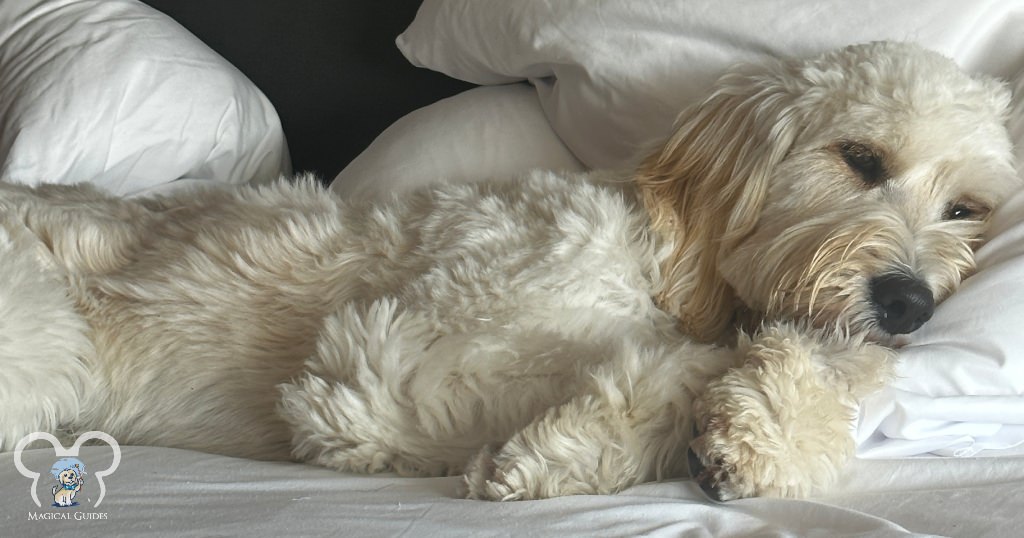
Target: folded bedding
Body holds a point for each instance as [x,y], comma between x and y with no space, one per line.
[610,77]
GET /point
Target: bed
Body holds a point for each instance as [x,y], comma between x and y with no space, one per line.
[119,94]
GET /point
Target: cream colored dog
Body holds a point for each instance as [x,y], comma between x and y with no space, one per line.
[69,483]
[544,336]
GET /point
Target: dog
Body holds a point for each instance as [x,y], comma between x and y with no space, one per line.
[728,302]
[69,482]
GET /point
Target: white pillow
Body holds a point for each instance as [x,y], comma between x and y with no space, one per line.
[612,76]
[961,384]
[115,93]
[486,132]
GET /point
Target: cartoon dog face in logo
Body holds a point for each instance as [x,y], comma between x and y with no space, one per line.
[69,484]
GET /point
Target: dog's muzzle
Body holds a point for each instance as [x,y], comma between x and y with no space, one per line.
[902,303]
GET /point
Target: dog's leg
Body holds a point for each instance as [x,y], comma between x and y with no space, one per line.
[630,423]
[388,390]
[85,229]
[780,424]
[50,235]
[349,402]
[584,446]
[43,339]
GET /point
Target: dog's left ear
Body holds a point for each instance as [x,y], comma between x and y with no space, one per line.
[705,187]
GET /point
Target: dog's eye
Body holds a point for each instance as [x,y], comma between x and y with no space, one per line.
[959,212]
[864,160]
[965,211]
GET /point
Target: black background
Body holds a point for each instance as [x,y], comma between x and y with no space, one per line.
[330,67]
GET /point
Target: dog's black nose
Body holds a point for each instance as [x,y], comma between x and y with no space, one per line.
[902,303]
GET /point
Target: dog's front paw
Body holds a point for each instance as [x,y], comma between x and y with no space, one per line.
[484,480]
[582,447]
[772,427]
[722,473]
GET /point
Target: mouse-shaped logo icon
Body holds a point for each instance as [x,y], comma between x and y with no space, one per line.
[68,471]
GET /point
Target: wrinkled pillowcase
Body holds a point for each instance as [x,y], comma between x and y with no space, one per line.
[482,133]
[613,76]
[115,93]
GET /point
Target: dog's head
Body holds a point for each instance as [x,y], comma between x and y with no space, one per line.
[849,191]
[68,477]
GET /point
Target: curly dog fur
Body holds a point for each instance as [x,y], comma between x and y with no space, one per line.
[735,294]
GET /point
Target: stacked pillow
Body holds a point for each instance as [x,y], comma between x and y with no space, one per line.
[115,93]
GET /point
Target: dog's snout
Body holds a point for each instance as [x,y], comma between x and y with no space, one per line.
[902,303]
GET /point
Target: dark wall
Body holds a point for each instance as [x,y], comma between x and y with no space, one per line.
[330,67]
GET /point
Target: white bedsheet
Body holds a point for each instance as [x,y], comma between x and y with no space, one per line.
[168,492]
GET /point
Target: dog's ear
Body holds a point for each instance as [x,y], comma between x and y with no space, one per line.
[704,189]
